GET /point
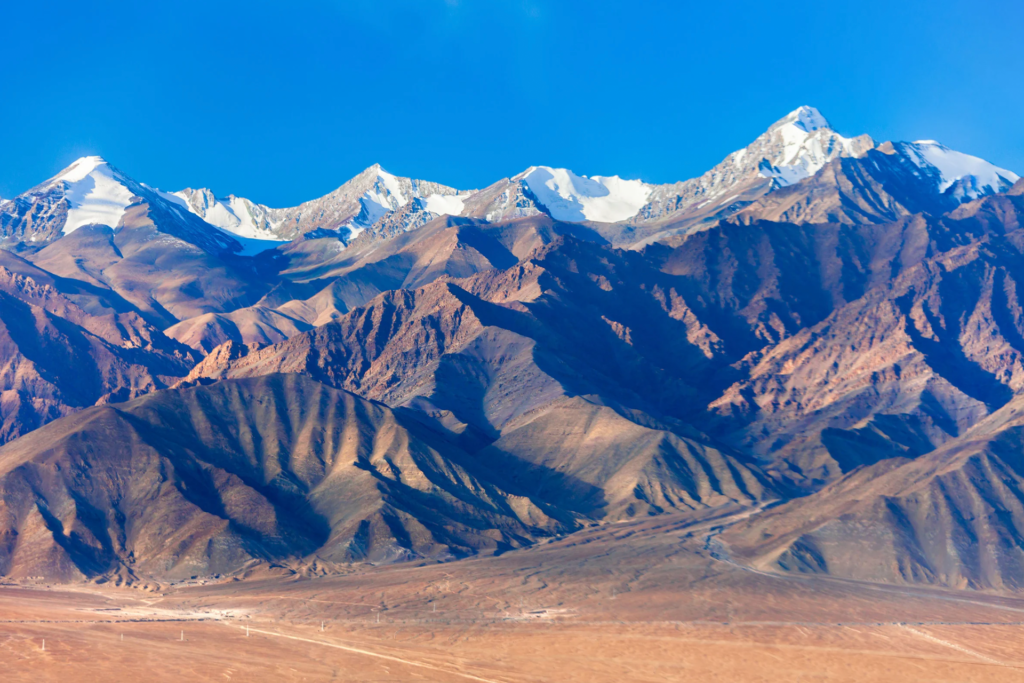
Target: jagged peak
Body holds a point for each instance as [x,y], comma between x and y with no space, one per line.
[80,168]
[805,118]
[373,170]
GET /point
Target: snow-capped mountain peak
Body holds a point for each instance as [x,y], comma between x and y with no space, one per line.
[96,192]
[384,196]
[78,170]
[800,144]
[793,148]
[386,193]
[807,119]
[92,191]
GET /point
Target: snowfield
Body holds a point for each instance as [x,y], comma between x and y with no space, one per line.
[954,166]
[573,198]
[444,205]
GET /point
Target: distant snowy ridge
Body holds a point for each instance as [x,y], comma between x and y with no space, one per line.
[975,176]
[570,197]
[795,147]
[358,205]
[383,194]
[389,193]
[235,215]
[379,205]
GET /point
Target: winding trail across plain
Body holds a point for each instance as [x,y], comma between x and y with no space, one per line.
[370,653]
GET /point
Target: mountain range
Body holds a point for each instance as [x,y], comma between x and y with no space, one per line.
[824,329]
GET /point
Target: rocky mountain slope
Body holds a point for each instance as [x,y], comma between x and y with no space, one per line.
[322,282]
[373,200]
[400,370]
[164,277]
[886,183]
[206,480]
[280,468]
[953,517]
[514,365]
[837,323]
[66,345]
[744,327]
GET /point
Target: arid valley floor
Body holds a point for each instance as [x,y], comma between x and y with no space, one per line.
[638,601]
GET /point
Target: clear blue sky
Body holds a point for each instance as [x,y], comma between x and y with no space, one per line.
[282,102]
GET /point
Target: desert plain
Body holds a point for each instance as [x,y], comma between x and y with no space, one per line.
[651,600]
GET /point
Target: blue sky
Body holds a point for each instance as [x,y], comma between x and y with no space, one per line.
[282,102]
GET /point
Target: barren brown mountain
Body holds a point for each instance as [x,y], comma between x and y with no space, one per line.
[165,277]
[67,345]
[819,349]
[319,282]
[403,382]
[280,468]
[275,469]
[952,517]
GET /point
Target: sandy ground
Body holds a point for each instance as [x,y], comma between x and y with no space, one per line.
[644,601]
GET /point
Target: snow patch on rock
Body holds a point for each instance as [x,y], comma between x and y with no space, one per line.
[384,197]
[444,205]
[573,198]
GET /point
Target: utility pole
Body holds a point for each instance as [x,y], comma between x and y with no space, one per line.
[247,630]
[44,644]
[182,636]
[321,627]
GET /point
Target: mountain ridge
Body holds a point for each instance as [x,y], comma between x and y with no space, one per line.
[794,149]
[820,325]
